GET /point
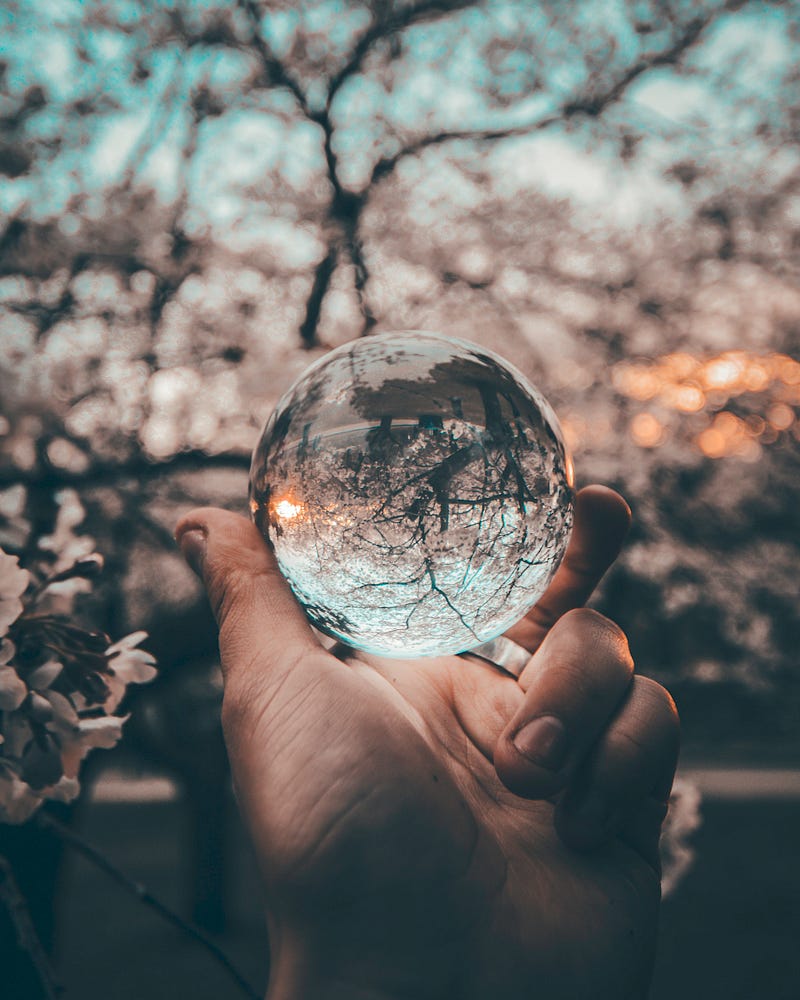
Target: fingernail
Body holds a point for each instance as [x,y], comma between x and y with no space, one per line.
[193,547]
[543,741]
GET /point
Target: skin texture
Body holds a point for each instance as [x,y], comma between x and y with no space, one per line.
[409,848]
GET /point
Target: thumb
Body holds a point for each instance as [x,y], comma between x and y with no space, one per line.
[263,631]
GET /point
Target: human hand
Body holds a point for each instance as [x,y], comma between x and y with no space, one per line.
[408,845]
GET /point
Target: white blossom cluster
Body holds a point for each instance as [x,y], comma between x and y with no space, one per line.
[60,684]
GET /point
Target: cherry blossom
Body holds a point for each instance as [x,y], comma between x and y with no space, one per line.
[13,583]
[59,682]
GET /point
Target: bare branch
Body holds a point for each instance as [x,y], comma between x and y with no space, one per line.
[164,109]
[356,251]
[275,71]
[387,164]
[591,105]
[319,289]
[594,106]
[27,937]
[143,894]
[138,466]
[387,27]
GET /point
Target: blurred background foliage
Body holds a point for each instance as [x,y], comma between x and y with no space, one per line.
[200,197]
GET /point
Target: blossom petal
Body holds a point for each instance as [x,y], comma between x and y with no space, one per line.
[13,581]
[134,669]
[129,665]
[12,689]
[127,642]
[64,790]
[104,732]
[64,714]
[18,801]
[42,677]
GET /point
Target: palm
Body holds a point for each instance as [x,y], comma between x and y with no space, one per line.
[406,797]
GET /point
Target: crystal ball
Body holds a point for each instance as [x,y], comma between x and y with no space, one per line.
[417,492]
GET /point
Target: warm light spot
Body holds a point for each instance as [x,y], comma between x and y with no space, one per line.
[680,365]
[688,398]
[570,472]
[636,382]
[689,384]
[770,435]
[755,424]
[574,430]
[287,510]
[711,442]
[788,368]
[727,423]
[646,430]
[781,416]
[723,372]
[756,377]
[749,450]
[729,435]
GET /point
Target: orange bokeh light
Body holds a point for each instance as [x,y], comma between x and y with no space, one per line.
[689,384]
[647,430]
[781,416]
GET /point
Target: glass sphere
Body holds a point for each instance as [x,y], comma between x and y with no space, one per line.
[417,492]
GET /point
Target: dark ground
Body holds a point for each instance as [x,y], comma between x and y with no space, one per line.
[731,930]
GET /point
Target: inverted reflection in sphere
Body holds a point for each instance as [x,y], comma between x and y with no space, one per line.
[417,492]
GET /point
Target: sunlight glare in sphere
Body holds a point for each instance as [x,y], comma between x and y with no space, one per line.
[417,492]
[286,509]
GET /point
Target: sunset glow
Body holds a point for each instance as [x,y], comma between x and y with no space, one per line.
[688,384]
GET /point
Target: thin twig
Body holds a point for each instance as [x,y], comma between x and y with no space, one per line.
[145,896]
[27,937]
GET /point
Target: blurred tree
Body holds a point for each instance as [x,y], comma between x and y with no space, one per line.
[201,196]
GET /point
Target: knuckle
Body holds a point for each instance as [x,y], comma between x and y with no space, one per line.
[228,594]
[627,743]
[656,714]
[658,700]
[604,641]
[595,626]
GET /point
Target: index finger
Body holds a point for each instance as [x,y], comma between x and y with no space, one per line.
[602,519]
[259,618]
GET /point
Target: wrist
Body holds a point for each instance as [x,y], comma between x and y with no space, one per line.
[299,971]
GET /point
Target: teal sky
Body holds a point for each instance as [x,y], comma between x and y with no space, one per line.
[734,84]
